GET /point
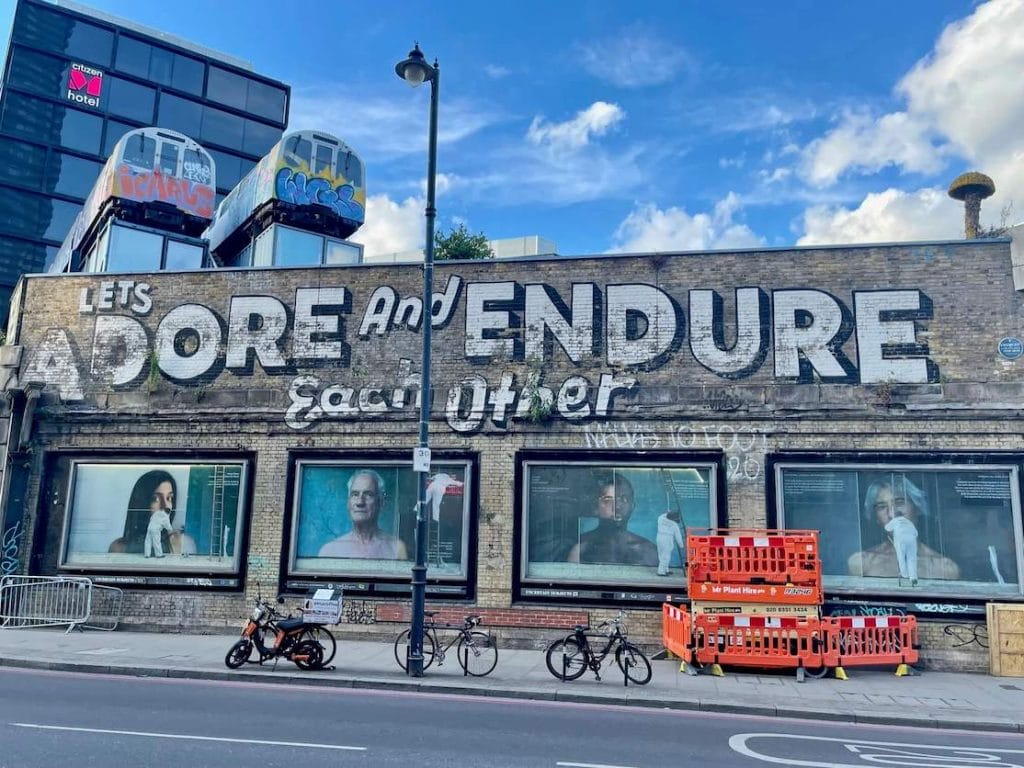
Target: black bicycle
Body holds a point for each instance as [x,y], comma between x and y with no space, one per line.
[570,657]
[477,651]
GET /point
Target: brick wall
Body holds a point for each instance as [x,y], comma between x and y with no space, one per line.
[971,403]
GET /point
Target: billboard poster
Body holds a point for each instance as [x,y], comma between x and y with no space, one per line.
[359,518]
[159,516]
[914,529]
[612,524]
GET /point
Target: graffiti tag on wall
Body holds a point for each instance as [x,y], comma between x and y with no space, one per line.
[152,186]
[298,188]
[9,545]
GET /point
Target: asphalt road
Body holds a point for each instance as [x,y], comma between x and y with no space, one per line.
[64,719]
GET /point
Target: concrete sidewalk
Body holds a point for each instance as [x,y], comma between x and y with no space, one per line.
[932,699]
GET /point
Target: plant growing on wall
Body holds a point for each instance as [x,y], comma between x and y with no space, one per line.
[153,377]
[542,404]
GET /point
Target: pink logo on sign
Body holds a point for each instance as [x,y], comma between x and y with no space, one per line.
[77,80]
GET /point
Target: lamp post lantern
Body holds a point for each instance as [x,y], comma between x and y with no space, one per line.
[415,71]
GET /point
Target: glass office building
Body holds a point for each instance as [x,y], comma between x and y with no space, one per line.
[75,80]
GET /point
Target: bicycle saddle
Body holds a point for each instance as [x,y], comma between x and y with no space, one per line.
[581,628]
[430,614]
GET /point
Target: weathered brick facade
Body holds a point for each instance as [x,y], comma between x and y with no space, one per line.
[808,373]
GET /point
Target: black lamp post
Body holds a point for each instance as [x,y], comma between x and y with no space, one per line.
[415,70]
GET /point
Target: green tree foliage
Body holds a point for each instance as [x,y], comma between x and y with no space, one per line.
[460,243]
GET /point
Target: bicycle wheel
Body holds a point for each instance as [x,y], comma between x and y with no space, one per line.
[402,648]
[238,654]
[479,655]
[565,658]
[308,655]
[323,636]
[633,663]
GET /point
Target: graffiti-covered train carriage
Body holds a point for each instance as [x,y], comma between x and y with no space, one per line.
[155,180]
[309,183]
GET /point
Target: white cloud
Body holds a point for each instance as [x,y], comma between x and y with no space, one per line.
[963,99]
[889,216]
[392,227]
[650,229]
[385,127]
[496,72]
[634,58]
[867,145]
[595,120]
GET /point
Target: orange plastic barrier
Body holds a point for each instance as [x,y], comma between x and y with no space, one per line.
[851,641]
[675,631]
[757,641]
[804,594]
[733,556]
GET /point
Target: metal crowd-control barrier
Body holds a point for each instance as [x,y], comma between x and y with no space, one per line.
[53,601]
[734,556]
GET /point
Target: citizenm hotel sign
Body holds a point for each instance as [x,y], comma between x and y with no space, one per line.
[85,85]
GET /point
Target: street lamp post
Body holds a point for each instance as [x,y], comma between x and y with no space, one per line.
[415,70]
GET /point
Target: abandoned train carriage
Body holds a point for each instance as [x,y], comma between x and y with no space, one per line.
[574,403]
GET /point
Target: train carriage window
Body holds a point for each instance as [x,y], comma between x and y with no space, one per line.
[350,168]
[169,158]
[323,159]
[197,167]
[301,150]
[140,150]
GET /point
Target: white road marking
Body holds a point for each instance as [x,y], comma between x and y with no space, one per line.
[190,737]
[590,765]
[883,752]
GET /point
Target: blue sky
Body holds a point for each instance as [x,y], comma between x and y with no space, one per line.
[650,125]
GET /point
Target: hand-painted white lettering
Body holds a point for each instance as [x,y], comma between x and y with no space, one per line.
[143,301]
[806,324]
[502,399]
[484,324]
[52,361]
[707,332]
[105,298]
[641,324]
[380,309]
[467,419]
[188,341]
[443,304]
[608,386]
[546,313]
[119,349]
[572,398]
[85,306]
[317,316]
[256,323]
[875,333]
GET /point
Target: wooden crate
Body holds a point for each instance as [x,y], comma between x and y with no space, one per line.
[1005,639]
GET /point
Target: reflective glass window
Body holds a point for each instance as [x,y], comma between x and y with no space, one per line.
[17,256]
[180,115]
[188,74]
[70,175]
[22,163]
[131,100]
[295,248]
[52,123]
[350,168]
[168,160]
[140,150]
[228,169]
[890,529]
[62,217]
[197,167]
[220,127]
[300,149]
[80,130]
[132,250]
[227,88]
[341,252]
[266,101]
[259,137]
[263,250]
[38,73]
[133,56]
[115,130]
[161,66]
[323,160]
[183,256]
[62,33]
